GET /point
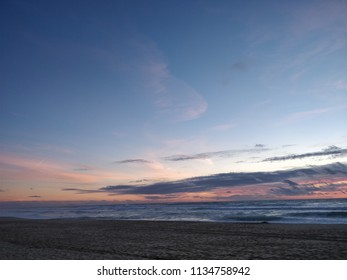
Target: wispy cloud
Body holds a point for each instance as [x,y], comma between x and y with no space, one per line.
[178,100]
[298,116]
[118,134]
[220,154]
[341,84]
[326,16]
[224,127]
[35,196]
[82,191]
[84,168]
[314,31]
[81,169]
[138,160]
[174,97]
[330,151]
[152,164]
[141,60]
[191,157]
[141,181]
[160,197]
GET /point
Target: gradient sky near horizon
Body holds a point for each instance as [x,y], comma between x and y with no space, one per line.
[133,93]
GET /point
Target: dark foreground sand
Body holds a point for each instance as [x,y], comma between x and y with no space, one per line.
[86,239]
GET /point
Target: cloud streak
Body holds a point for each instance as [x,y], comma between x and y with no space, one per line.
[173,96]
[154,165]
[341,84]
[177,99]
[298,116]
[138,160]
[220,154]
[224,127]
[139,59]
[331,151]
[315,30]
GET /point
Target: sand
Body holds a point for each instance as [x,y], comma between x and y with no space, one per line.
[91,239]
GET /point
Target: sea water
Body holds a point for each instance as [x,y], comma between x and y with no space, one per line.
[322,211]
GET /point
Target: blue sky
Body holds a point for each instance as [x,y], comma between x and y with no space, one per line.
[105,93]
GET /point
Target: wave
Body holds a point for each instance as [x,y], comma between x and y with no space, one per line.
[333,214]
[256,218]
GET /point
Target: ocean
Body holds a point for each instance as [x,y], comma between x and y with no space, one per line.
[322,211]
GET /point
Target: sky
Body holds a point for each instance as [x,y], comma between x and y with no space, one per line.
[161,101]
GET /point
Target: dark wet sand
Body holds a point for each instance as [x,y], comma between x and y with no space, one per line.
[87,239]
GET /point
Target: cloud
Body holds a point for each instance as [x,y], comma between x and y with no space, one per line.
[139,160]
[220,154]
[174,97]
[160,197]
[140,61]
[81,191]
[311,34]
[330,151]
[305,189]
[259,145]
[35,196]
[178,100]
[243,64]
[233,180]
[341,84]
[295,190]
[81,169]
[154,165]
[291,183]
[328,16]
[189,157]
[224,127]
[118,134]
[84,168]
[140,181]
[298,116]
[1,190]
[288,145]
[240,66]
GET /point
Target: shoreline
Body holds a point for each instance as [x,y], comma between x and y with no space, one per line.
[125,239]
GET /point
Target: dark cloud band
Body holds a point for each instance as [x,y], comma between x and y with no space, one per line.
[229,180]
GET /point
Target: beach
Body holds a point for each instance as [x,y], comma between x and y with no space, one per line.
[109,239]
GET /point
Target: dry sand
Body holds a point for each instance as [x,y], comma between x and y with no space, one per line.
[90,239]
